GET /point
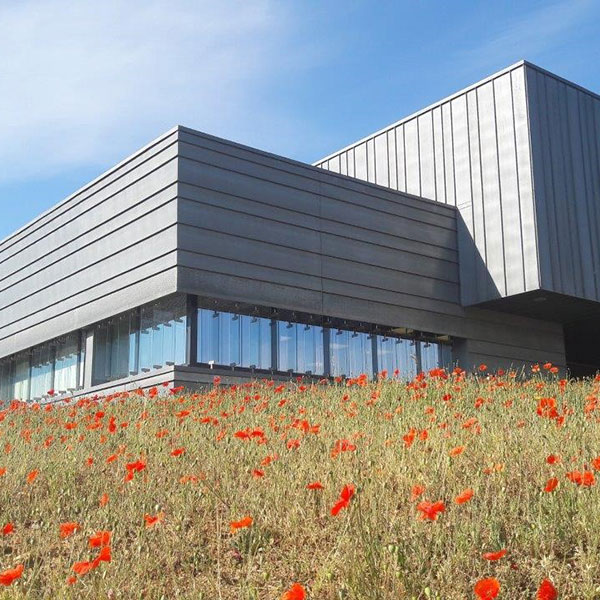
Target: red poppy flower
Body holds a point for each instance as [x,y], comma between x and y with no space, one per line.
[430,510]
[464,496]
[68,529]
[547,591]
[100,539]
[487,589]
[416,491]
[315,485]
[177,451]
[32,475]
[7,577]
[551,484]
[104,499]
[151,521]
[296,592]
[344,499]
[552,459]
[241,524]
[456,451]
[8,529]
[494,555]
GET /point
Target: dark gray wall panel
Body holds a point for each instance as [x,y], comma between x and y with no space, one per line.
[253,230]
[108,247]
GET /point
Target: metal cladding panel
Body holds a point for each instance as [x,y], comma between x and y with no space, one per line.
[565,137]
[109,247]
[471,151]
[258,228]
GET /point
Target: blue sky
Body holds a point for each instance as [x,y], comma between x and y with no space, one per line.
[88,83]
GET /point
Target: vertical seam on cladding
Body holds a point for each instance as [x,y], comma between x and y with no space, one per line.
[499,186]
[434,161]
[532,176]
[514,126]
[481,178]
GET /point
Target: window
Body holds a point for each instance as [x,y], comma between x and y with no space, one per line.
[68,364]
[351,353]
[300,348]
[397,354]
[430,356]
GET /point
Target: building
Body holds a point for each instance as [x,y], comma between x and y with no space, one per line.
[466,233]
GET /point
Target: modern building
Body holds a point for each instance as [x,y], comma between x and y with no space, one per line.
[466,233]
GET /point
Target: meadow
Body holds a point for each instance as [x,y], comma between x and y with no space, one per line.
[445,487]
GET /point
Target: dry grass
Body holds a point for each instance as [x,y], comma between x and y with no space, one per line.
[376,548]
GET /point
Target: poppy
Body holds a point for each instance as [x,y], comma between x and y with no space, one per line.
[494,555]
[151,521]
[315,485]
[296,592]
[68,529]
[100,539]
[416,491]
[487,589]
[241,524]
[32,475]
[104,499]
[551,484]
[257,473]
[552,459]
[8,529]
[178,452]
[456,451]
[430,510]
[547,591]
[344,499]
[7,577]
[464,496]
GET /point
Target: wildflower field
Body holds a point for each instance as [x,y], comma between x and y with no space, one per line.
[449,486]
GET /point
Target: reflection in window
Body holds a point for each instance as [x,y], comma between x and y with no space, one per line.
[113,343]
[231,339]
[397,354]
[21,377]
[430,356]
[300,348]
[351,353]
[6,379]
[162,335]
[42,361]
[67,371]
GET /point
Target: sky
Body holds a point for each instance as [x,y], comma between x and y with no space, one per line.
[84,84]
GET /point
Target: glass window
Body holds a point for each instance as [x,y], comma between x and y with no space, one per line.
[351,353]
[397,354]
[42,370]
[66,365]
[430,356]
[6,380]
[21,377]
[300,348]
[255,342]
[162,334]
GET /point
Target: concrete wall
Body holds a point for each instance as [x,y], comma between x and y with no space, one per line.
[109,247]
[258,228]
[471,151]
[565,142]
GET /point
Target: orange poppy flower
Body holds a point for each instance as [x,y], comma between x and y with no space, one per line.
[546,591]
[551,484]
[8,529]
[68,529]
[487,589]
[2,471]
[7,577]
[494,555]
[584,478]
[296,592]
[178,452]
[241,524]
[32,475]
[464,496]
[456,451]
[104,499]
[315,485]
[552,459]
[416,491]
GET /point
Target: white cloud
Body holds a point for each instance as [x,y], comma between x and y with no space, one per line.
[83,83]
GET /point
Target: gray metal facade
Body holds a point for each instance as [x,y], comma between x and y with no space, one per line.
[450,222]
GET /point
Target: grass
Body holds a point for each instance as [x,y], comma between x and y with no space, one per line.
[397,436]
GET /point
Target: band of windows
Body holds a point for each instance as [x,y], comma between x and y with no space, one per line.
[176,331]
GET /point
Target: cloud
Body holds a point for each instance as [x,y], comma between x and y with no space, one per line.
[84,83]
